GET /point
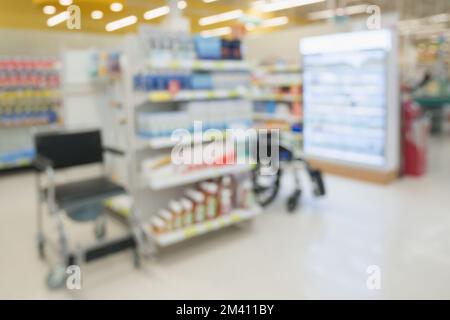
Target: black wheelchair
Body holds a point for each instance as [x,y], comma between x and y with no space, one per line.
[267,186]
[81,201]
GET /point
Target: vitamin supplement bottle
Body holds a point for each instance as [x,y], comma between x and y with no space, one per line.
[225,196]
[167,216]
[198,199]
[248,199]
[188,212]
[210,190]
[177,212]
[158,225]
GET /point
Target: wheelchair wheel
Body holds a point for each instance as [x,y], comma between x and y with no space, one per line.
[293,201]
[136,259]
[41,246]
[56,279]
[265,187]
[319,186]
[100,229]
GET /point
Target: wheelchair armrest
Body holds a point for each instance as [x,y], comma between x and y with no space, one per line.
[41,163]
[113,151]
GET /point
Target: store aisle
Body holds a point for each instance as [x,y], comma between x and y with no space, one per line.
[322,251]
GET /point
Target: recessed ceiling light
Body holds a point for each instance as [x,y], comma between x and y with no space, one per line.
[156,13]
[49,9]
[181,5]
[60,17]
[96,14]
[116,6]
[65,2]
[266,6]
[225,16]
[121,23]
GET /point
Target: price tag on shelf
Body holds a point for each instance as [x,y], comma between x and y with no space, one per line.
[190,232]
[160,96]
[209,226]
[236,218]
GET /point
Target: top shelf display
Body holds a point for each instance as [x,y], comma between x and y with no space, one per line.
[200,65]
[279,68]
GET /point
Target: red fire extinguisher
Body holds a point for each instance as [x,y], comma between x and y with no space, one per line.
[415,134]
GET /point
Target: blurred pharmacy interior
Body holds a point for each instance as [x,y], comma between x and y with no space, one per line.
[224,149]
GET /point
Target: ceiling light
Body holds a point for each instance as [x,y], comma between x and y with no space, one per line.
[230,15]
[209,1]
[283,4]
[279,21]
[49,10]
[155,13]
[116,6]
[326,14]
[121,23]
[181,5]
[65,2]
[216,32]
[60,17]
[96,14]
[273,22]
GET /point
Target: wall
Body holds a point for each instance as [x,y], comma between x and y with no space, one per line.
[73,48]
[285,44]
[32,42]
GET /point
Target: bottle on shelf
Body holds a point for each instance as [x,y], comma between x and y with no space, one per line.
[225,196]
[210,190]
[198,199]
[188,213]
[168,218]
[176,209]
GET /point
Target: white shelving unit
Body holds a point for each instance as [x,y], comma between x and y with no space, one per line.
[121,205]
[270,87]
[235,217]
[151,191]
[25,109]
[164,181]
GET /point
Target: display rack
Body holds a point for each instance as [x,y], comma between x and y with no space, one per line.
[277,100]
[146,98]
[29,102]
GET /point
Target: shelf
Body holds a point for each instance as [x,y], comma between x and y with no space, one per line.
[120,206]
[280,68]
[276,117]
[165,181]
[25,124]
[276,97]
[201,65]
[167,142]
[238,215]
[188,95]
[15,164]
[278,84]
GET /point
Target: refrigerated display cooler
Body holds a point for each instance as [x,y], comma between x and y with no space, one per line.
[351,108]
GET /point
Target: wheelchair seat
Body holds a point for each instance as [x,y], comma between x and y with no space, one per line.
[72,194]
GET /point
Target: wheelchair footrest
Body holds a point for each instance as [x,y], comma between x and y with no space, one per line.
[104,249]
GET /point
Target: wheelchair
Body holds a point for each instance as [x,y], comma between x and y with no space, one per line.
[80,201]
[266,187]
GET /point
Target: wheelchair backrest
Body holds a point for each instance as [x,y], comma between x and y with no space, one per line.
[70,149]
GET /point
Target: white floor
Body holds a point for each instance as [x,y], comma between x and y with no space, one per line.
[322,251]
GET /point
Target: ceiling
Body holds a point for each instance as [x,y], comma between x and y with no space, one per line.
[28,13]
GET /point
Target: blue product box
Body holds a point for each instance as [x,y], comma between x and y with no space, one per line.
[201,81]
[208,48]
